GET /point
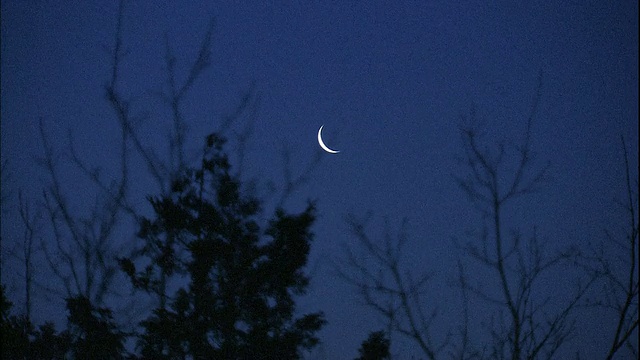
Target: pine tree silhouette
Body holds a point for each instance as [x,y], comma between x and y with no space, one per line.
[240,278]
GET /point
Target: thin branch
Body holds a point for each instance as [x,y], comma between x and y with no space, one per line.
[387,289]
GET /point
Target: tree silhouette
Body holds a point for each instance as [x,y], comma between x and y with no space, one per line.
[615,263]
[80,244]
[525,326]
[623,290]
[376,347]
[531,329]
[241,278]
[388,287]
[15,330]
[93,333]
[525,336]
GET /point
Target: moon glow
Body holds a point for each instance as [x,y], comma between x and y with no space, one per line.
[322,145]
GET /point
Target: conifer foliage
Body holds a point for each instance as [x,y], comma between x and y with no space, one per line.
[236,279]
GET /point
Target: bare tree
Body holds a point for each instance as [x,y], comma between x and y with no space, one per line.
[4,193]
[31,223]
[388,287]
[527,329]
[525,326]
[463,350]
[4,196]
[615,262]
[83,250]
[4,177]
[627,286]
[78,252]
[84,247]
[24,248]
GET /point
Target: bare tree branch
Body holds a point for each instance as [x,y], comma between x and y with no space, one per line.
[29,221]
[529,332]
[387,288]
[623,296]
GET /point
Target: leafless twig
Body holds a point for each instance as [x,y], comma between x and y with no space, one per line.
[387,288]
[531,332]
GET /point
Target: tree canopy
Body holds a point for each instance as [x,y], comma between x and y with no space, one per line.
[241,277]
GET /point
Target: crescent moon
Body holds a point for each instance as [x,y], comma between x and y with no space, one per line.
[322,145]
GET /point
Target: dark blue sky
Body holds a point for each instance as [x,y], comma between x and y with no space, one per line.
[389,82]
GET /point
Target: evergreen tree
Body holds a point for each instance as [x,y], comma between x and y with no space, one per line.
[21,340]
[240,277]
[93,333]
[376,347]
[15,330]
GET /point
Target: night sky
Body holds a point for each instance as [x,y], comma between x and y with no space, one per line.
[390,84]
